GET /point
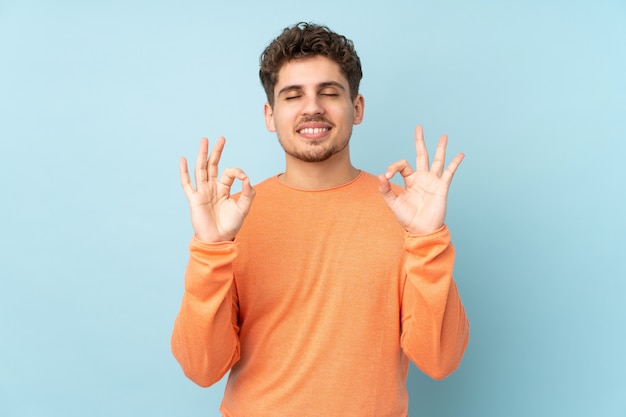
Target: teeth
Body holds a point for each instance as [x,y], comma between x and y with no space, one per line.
[313,131]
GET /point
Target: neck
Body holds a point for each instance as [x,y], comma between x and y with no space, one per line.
[336,170]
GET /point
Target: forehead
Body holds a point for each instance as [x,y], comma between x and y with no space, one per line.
[309,72]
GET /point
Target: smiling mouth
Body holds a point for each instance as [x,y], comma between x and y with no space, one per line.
[313,130]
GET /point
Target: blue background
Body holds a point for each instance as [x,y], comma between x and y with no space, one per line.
[98,100]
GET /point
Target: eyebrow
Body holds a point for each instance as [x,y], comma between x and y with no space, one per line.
[320,86]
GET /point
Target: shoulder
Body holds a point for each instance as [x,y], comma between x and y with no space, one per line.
[371,182]
[264,187]
[267,184]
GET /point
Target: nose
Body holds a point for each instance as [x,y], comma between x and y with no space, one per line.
[312,106]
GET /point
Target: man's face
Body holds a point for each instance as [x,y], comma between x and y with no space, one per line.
[313,114]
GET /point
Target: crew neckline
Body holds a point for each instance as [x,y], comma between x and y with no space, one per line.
[360,175]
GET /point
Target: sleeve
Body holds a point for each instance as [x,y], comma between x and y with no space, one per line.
[205,339]
[435,329]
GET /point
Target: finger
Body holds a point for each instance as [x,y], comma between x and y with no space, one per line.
[230,175]
[214,159]
[247,195]
[385,190]
[421,153]
[228,178]
[200,173]
[403,167]
[185,181]
[452,167]
[440,156]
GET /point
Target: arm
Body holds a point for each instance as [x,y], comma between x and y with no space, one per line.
[205,338]
[435,329]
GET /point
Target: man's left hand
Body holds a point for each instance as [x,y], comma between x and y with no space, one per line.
[421,206]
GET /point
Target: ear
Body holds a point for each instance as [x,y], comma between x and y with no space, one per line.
[269,117]
[359,109]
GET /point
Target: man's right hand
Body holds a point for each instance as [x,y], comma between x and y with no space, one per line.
[215,215]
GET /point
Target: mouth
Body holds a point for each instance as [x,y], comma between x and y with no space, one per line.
[314,129]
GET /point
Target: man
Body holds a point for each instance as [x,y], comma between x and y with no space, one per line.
[315,287]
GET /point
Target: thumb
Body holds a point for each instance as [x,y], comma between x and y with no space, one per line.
[247,195]
[386,191]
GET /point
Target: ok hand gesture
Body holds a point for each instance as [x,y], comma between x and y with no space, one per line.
[215,215]
[421,206]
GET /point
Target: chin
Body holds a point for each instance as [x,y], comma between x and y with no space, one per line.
[312,156]
[317,153]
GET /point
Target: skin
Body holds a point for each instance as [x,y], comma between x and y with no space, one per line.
[421,206]
[313,116]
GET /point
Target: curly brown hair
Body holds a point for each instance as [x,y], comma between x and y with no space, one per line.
[304,40]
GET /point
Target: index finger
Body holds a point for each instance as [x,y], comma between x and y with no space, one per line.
[403,167]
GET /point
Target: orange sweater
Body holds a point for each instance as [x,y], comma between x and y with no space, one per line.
[317,305]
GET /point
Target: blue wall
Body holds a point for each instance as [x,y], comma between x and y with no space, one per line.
[97,103]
